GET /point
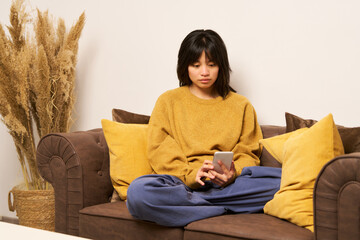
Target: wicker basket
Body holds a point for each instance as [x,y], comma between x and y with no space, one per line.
[34,208]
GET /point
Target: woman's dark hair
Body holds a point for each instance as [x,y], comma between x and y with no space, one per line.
[190,51]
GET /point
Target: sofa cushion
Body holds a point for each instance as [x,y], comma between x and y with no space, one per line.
[275,145]
[266,158]
[271,130]
[128,156]
[245,226]
[304,154]
[123,116]
[113,221]
[349,136]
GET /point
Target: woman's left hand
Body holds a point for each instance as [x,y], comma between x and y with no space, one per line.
[224,178]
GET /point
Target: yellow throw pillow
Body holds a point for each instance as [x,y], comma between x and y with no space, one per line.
[303,156]
[128,153]
[275,145]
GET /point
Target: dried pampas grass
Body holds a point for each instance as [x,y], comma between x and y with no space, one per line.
[37,79]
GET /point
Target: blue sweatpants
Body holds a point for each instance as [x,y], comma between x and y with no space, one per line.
[166,200]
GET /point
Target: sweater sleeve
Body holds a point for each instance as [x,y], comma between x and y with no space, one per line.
[165,154]
[248,150]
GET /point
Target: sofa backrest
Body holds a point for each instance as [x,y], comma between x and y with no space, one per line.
[269,131]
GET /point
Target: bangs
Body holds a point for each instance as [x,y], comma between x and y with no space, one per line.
[202,45]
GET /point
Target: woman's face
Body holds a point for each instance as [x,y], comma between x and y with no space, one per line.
[203,73]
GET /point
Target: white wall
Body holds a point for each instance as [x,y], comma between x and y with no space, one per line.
[298,56]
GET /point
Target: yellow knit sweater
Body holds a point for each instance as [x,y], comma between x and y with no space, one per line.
[185,130]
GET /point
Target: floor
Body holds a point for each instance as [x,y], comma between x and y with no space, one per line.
[9,220]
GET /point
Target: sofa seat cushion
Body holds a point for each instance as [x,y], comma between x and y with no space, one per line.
[113,221]
[245,226]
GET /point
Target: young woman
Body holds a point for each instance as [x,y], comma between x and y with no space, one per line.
[187,126]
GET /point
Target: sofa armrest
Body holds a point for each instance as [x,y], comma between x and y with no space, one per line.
[77,166]
[337,199]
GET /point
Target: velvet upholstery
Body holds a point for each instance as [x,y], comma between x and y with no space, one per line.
[246,226]
[349,136]
[266,158]
[123,116]
[67,162]
[117,223]
[77,165]
[337,199]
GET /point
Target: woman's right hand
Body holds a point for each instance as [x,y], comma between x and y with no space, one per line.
[204,172]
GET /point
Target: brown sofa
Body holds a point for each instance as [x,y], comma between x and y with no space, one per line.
[77,165]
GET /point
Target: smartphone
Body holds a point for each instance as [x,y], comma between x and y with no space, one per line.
[225,157]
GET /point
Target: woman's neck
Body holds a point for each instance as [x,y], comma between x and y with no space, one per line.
[209,93]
